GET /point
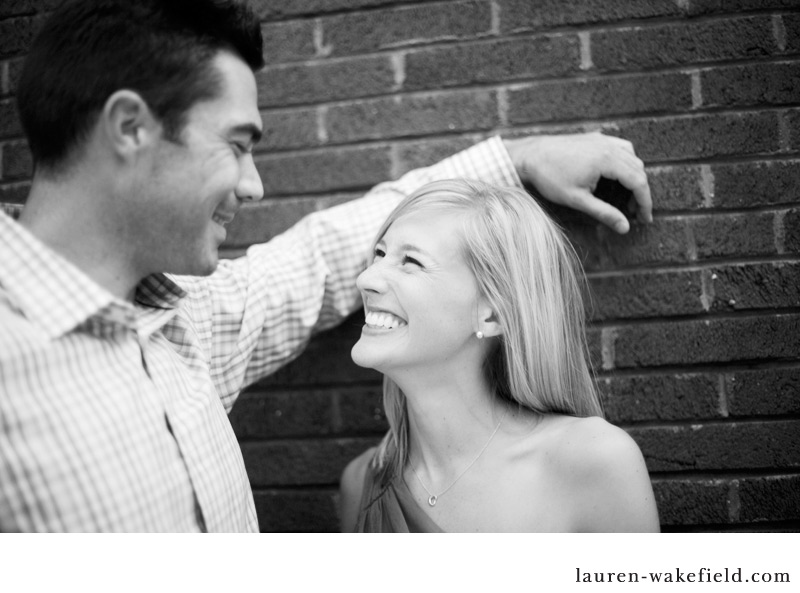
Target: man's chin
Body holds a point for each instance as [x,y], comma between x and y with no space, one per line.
[206,267]
[209,267]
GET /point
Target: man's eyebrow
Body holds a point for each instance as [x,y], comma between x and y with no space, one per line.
[251,130]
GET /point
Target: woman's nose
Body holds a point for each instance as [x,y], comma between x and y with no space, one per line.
[371,279]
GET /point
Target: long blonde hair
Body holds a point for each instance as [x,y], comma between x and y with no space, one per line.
[529,274]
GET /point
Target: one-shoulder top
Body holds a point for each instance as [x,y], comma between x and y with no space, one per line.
[391,509]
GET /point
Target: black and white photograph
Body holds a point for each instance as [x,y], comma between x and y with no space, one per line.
[312,269]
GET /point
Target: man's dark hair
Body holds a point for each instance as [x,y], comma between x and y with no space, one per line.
[161,49]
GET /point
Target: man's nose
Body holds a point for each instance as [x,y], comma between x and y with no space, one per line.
[250,188]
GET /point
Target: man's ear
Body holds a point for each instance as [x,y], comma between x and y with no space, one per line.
[487,321]
[127,124]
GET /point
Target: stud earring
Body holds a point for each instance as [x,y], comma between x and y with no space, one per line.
[479,334]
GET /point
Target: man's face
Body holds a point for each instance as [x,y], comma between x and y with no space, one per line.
[194,188]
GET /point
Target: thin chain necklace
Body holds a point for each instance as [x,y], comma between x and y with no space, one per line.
[432,498]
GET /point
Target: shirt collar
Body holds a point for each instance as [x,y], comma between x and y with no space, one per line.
[159,291]
[56,295]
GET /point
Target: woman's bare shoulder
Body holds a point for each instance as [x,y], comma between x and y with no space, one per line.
[590,441]
[599,468]
[610,473]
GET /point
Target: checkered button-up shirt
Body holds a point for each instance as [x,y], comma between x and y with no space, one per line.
[113,415]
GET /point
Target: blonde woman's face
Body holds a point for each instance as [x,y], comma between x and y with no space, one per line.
[419,297]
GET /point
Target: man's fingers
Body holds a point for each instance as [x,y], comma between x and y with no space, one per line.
[621,143]
[628,169]
[600,210]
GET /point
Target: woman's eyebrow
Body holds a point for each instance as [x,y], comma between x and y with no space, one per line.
[405,247]
[412,247]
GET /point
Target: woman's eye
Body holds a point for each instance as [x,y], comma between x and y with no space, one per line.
[410,260]
[378,253]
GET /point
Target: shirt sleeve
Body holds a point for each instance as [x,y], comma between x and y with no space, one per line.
[258,312]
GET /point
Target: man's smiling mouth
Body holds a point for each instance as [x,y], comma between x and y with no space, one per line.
[222,220]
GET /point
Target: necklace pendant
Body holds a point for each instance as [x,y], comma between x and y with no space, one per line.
[432,500]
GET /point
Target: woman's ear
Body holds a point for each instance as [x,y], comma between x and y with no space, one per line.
[127,124]
[487,321]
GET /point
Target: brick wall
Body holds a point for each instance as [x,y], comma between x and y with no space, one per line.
[696,318]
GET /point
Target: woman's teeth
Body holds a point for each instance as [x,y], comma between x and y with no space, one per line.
[383,320]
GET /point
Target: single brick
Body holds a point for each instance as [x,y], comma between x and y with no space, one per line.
[17,7]
[756,286]
[600,248]
[646,398]
[791,24]
[325,81]
[368,31]
[4,82]
[231,252]
[14,71]
[715,340]
[524,15]
[791,117]
[791,226]
[677,187]
[16,193]
[258,222]
[287,129]
[764,392]
[10,125]
[701,7]
[17,161]
[361,410]
[281,414]
[27,7]
[301,462]
[703,136]
[751,85]
[594,341]
[412,155]
[492,61]
[720,235]
[278,9]
[412,115]
[769,498]
[682,43]
[288,41]
[16,35]
[298,511]
[599,97]
[691,501]
[730,446]
[326,360]
[646,294]
[743,185]
[339,169]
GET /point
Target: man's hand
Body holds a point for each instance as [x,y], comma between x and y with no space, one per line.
[565,170]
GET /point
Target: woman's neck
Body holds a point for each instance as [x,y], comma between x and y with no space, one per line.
[449,420]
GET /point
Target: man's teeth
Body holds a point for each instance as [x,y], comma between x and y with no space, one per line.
[384,320]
